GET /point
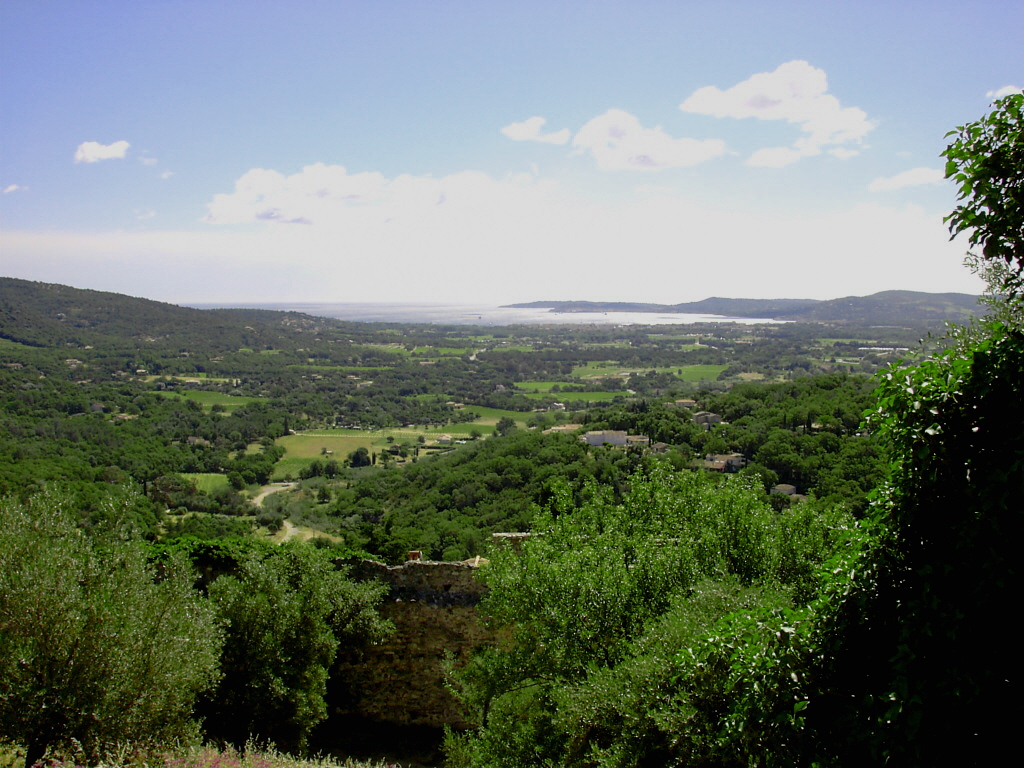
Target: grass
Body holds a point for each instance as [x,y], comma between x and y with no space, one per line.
[576,397]
[208,482]
[209,399]
[609,369]
[539,386]
[205,757]
[596,369]
[311,445]
[511,348]
[441,351]
[541,390]
[304,448]
[354,369]
[488,417]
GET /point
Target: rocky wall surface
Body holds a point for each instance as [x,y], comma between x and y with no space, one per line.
[401,681]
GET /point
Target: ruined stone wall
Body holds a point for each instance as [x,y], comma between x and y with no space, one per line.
[433,607]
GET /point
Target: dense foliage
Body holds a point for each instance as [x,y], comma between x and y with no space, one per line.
[601,598]
[284,612]
[985,161]
[894,651]
[658,615]
[93,645]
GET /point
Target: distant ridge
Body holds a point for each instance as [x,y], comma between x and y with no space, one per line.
[45,314]
[884,308]
[48,314]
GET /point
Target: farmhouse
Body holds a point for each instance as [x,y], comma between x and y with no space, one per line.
[605,437]
[725,462]
[706,419]
[614,437]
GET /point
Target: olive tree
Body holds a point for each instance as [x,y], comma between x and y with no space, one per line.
[96,646]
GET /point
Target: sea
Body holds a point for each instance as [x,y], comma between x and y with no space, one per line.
[480,314]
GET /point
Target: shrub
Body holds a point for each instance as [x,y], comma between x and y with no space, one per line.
[94,646]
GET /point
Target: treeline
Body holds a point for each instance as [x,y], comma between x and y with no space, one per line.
[804,433]
[105,642]
[86,438]
[448,506]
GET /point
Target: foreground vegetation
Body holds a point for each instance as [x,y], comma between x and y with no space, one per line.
[251,757]
[659,613]
[648,632]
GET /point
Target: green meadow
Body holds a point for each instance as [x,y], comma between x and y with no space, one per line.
[208,399]
[208,482]
[578,397]
[605,370]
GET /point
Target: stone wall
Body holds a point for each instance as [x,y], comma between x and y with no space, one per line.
[433,607]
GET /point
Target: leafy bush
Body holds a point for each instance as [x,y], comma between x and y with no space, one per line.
[285,613]
[94,646]
[595,607]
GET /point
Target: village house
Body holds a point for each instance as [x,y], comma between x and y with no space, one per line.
[612,437]
[615,438]
[725,462]
[706,419]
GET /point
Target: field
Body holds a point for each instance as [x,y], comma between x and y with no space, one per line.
[209,399]
[578,397]
[303,448]
[604,370]
[209,482]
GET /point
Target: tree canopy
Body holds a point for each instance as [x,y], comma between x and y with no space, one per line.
[986,160]
[93,646]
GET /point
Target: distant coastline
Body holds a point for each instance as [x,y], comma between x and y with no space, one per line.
[887,308]
[479,314]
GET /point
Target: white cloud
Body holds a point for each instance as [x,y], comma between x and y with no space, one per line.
[618,141]
[1006,90]
[795,92]
[93,151]
[148,160]
[533,240]
[414,238]
[318,193]
[143,214]
[774,157]
[166,174]
[912,178]
[530,130]
[14,188]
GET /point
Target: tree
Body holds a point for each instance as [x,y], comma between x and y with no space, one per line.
[908,658]
[987,162]
[583,610]
[94,647]
[504,426]
[360,457]
[285,613]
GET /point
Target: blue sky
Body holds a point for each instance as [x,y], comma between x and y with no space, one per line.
[251,151]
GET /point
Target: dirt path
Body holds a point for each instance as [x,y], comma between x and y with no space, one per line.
[287,531]
[266,490]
